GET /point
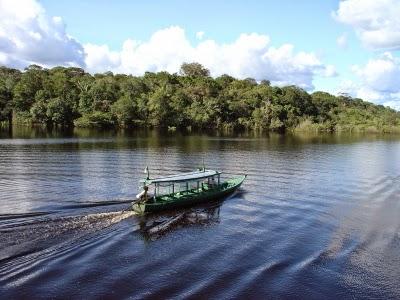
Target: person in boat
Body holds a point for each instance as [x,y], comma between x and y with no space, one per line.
[143,196]
[212,183]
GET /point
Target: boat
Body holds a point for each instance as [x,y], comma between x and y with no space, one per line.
[183,190]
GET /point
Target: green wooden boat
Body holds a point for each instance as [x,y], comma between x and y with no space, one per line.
[183,190]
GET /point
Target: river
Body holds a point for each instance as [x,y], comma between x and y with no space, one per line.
[317,217]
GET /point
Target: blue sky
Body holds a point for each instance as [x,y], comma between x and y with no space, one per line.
[285,21]
[306,24]
[129,37]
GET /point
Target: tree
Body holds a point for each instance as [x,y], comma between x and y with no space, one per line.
[265,82]
[104,92]
[194,69]
[125,110]
[8,79]
[59,112]
[24,91]
[65,96]
[159,108]
[39,112]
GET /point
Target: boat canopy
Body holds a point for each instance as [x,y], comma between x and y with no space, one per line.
[182,177]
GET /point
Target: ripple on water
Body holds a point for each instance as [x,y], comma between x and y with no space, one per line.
[314,219]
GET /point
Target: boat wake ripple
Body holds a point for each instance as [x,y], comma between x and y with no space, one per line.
[39,234]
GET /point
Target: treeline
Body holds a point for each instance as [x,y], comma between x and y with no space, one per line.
[191,99]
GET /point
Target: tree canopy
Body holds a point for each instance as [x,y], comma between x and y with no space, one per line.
[71,97]
[194,69]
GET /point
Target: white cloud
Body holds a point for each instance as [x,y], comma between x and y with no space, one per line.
[330,71]
[347,87]
[200,35]
[100,58]
[379,81]
[250,55]
[341,41]
[376,22]
[28,36]
[393,104]
[366,93]
[381,74]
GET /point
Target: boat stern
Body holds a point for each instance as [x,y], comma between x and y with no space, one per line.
[139,208]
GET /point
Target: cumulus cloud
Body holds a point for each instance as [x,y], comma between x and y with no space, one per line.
[376,23]
[395,104]
[330,71]
[28,35]
[379,81]
[250,55]
[381,74]
[200,35]
[341,41]
[101,58]
[347,87]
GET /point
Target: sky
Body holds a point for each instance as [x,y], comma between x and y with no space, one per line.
[338,46]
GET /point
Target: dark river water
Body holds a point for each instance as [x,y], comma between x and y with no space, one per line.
[318,217]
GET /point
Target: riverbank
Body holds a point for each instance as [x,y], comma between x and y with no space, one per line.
[71,97]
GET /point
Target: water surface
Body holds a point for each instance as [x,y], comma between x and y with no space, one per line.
[317,217]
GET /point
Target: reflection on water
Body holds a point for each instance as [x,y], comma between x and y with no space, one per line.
[155,226]
[317,216]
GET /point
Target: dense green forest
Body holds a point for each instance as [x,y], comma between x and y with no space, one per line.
[191,99]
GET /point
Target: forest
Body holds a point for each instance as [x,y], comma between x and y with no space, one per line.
[190,99]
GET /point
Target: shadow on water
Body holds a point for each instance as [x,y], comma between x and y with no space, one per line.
[154,226]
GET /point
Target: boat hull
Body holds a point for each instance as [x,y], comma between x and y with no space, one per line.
[174,201]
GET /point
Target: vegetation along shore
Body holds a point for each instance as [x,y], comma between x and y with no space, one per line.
[191,99]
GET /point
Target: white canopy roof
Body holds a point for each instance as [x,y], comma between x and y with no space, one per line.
[183,177]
